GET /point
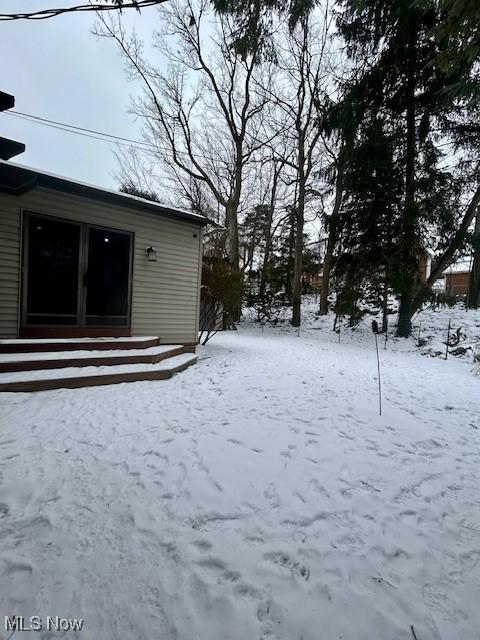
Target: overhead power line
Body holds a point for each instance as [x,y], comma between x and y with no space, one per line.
[101,136]
[129,143]
[46,121]
[86,133]
[116,5]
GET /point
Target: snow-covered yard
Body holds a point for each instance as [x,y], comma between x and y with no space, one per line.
[257,495]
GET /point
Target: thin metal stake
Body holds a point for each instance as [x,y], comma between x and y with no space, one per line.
[379,379]
[448,340]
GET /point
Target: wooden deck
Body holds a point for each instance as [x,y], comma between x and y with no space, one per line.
[34,365]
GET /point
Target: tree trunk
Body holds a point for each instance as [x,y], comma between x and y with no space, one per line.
[332,238]
[387,257]
[474,288]
[409,257]
[327,266]
[298,267]
[385,307]
[232,226]
[405,313]
[250,251]
[268,231]
[231,217]
[291,247]
[267,252]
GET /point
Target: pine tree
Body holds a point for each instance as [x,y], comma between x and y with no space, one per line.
[370,212]
[407,83]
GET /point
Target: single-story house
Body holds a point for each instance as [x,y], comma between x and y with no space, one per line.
[82,261]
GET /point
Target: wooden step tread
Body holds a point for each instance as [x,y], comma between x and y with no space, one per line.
[28,345]
[57,359]
[73,377]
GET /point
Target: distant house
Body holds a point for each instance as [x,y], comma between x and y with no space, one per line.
[312,281]
[455,280]
[457,283]
[77,260]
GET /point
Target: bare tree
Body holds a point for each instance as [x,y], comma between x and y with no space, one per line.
[332,225]
[201,110]
[298,94]
[136,169]
[276,167]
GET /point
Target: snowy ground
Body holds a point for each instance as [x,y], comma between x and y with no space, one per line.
[257,495]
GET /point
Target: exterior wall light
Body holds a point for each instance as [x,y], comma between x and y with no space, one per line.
[151,254]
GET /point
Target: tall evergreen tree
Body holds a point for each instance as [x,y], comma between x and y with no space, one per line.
[370,215]
[402,48]
[254,19]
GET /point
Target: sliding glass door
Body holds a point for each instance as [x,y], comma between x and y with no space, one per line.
[75,275]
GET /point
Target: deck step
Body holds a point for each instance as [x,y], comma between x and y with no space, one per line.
[28,345]
[75,377]
[85,358]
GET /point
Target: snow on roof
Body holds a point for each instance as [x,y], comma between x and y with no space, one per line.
[461,266]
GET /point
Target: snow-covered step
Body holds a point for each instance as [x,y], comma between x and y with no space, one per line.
[85,358]
[73,377]
[25,345]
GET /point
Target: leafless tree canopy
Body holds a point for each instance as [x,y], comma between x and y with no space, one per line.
[245,140]
[199,106]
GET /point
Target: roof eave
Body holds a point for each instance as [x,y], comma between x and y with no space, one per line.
[28,178]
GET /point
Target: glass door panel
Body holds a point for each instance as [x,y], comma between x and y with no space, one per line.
[107,279]
[53,255]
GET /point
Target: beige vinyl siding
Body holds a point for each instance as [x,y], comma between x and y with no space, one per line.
[164,293]
[10,246]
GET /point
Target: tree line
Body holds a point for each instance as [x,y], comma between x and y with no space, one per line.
[337,137]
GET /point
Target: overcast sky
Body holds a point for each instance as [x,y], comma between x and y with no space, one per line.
[58,69]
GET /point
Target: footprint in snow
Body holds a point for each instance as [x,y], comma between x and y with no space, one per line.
[471,526]
[212,563]
[271,494]
[281,559]
[213,519]
[270,616]
[202,545]
[9,567]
